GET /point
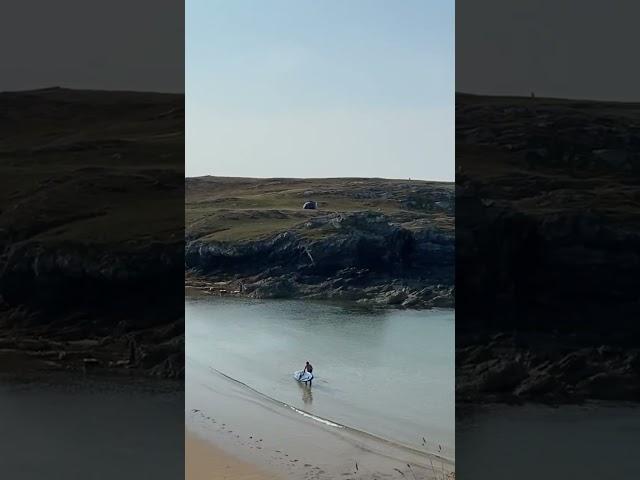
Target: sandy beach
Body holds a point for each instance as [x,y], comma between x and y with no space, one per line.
[204,461]
[258,438]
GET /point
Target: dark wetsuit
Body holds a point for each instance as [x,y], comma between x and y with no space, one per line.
[308,368]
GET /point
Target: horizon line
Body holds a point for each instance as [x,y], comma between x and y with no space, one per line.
[319,178]
[524,97]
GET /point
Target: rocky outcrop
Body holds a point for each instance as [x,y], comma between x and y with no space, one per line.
[360,256]
[514,368]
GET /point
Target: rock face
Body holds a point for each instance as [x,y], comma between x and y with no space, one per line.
[502,369]
[90,237]
[547,246]
[383,257]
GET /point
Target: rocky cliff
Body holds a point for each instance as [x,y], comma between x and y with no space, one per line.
[372,241]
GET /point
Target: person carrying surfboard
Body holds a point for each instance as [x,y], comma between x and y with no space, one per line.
[308,368]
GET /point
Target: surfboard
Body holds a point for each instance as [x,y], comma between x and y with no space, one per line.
[303,376]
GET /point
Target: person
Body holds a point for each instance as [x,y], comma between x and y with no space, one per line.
[308,368]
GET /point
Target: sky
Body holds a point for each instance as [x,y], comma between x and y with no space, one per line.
[557,48]
[114,45]
[320,88]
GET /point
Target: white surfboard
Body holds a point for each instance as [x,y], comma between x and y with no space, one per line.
[303,376]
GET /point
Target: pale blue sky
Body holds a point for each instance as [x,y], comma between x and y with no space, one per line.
[320,88]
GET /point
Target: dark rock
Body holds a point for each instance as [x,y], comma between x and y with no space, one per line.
[501,376]
[537,386]
[274,288]
[611,386]
[351,258]
[170,367]
[394,297]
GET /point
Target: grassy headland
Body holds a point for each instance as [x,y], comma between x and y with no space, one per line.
[376,241]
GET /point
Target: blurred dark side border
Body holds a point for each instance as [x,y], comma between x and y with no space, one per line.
[547,240]
[91,240]
[91,232]
[547,249]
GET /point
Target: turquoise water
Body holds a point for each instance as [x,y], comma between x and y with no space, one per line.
[388,373]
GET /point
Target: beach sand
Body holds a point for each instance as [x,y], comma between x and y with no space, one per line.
[249,430]
[205,461]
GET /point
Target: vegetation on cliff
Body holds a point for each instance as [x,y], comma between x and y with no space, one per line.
[374,241]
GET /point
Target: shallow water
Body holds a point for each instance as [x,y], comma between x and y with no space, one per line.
[93,429]
[532,442]
[388,373]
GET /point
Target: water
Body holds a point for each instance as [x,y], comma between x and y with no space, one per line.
[94,429]
[531,442]
[388,373]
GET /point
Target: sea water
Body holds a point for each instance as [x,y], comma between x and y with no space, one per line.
[593,441]
[389,373]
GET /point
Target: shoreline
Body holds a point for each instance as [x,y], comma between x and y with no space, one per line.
[393,299]
[291,445]
[376,438]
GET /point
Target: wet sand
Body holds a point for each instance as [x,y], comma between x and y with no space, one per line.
[205,461]
[291,445]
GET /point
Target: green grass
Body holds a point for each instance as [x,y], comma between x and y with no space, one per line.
[239,209]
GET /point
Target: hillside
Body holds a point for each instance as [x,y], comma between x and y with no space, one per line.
[374,241]
[91,228]
[547,248]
